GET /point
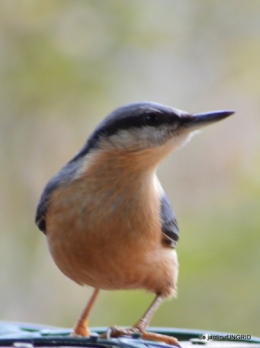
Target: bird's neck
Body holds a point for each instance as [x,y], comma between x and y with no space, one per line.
[118,183]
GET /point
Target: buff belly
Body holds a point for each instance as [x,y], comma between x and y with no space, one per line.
[106,263]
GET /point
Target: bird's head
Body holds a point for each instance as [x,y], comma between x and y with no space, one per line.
[147,127]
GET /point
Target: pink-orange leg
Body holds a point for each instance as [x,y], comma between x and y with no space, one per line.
[81,327]
[142,324]
[146,318]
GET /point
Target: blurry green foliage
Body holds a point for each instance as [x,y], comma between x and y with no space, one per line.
[64,65]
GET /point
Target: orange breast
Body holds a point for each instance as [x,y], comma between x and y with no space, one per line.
[107,233]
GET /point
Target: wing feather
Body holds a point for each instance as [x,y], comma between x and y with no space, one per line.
[168,220]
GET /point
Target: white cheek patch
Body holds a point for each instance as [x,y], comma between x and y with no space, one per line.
[157,185]
[84,163]
[123,139]
[179,140]
[142,138]
[146,138]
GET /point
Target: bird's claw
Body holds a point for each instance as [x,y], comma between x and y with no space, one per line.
[115,331]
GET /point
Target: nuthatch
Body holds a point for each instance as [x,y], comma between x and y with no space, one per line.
[107,220]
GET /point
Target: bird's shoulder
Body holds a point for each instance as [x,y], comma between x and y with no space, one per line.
[63,178]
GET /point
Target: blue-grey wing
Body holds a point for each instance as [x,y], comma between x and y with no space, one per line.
[169,223]
[43,206]
[62,178]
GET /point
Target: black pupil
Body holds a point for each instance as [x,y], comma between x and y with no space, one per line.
[153,120]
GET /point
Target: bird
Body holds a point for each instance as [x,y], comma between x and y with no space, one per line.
[107,220]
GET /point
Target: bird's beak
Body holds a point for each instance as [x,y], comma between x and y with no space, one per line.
[198,121]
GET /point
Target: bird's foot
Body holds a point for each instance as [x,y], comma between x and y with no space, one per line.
[116,331]
[81,329]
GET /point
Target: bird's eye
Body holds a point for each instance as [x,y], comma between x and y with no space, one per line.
[153,119]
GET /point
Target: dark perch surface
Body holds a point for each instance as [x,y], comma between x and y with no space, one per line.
[30,335]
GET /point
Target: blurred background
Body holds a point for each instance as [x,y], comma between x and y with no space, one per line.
[65,65]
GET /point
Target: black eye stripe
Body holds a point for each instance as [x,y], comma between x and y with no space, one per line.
[153,119]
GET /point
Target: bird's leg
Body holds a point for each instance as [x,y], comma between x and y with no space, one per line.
[142,324]
[81,327]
